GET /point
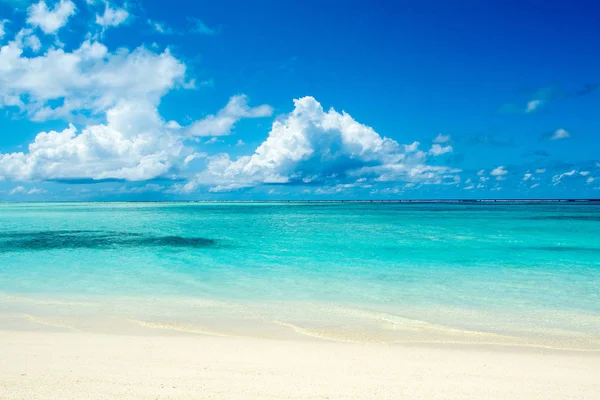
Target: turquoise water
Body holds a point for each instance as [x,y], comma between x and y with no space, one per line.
[493,267]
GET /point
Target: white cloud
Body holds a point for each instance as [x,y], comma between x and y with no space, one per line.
[160,27]
[590,179]
[33,42]
[560,134]
[17,190]
[534,185]
[35,190]
[437,150]
[470,187]
[2,29]
[23,190]
[212,140]
[89,79]
[50,20]
[119,91]
[556,179]
[441,138]
[133,145]
[533,105]
[584,173]
[481,172]
[222,123]
[499,173]
[112,16]
[201,28]
[323,147]
[528,176]
[411,148]
[540,170]
[26,39]
[240,143]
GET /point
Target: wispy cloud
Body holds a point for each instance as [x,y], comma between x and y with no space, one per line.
[441,138]
[2,29]
[558,134]
[557,179]
[586,89]
[537,98]
[161,27]
[23,190]
[201,28]
[533,105]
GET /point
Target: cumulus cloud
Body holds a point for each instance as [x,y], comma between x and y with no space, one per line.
[112,17]
[119,91]
[50,20]
[133,145]
[437,150]
[222,123]
[89,79]
[310,145]
[499,172]
[540,170]
[411,148]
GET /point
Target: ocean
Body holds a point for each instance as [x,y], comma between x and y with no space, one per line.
[504,273]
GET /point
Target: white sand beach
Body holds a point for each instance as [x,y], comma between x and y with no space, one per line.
[78,365]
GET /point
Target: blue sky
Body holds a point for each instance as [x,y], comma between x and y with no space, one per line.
[274,100]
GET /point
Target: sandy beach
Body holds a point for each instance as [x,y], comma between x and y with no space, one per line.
[63,365]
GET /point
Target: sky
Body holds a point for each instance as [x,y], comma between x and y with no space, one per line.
[234,100]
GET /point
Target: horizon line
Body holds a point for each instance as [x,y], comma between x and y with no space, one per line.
[539,200]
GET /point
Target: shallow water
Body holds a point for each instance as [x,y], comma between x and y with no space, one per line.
[384,271]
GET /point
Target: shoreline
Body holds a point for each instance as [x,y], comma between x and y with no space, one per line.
[292,320]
